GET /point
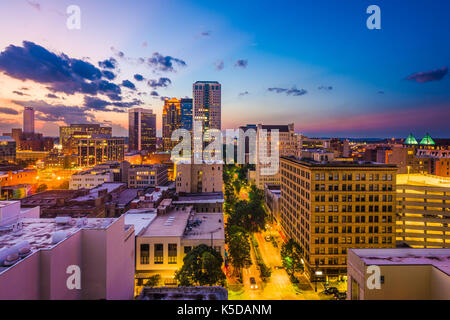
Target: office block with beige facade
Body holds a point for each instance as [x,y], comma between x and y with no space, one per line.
[423,211]
[287,145]
[328,207]
[195,178]
[398,274]
[163,240]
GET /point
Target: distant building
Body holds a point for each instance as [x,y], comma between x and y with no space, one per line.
[15,177]
[196,178]
[207,104]
[68,135]
[186,114]
[30,141]
[37,256]
[89,179]
[147,175]
[97,149]
[28,120]
[287,146]
[404,274]
[423,211]
[142,130]
[171,121]
[7,149]
[332,206]
[204,202]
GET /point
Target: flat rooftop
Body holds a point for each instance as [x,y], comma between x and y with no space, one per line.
[209,197]
[171,224]
[184,293]
[423,180]
[38,231]
[338,164]
[208,223]
[439,258]
[93,193]
[140,221]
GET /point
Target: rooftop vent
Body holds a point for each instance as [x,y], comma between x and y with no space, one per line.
[59,236]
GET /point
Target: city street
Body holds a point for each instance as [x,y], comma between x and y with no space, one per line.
[278,286]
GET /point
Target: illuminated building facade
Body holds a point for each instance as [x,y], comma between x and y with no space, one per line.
[186,114]
[423,211]
[96,150]
[7,149]
[171,121]
[207,104]
[28,120]
[142,130]
[330,207]
[145,176]
[68,135]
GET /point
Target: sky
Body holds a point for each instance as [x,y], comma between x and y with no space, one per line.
[313,63]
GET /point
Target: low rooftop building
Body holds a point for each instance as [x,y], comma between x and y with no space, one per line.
[184,293]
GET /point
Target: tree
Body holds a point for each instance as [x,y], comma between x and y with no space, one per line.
[202,266]
[291,255]
[238,246]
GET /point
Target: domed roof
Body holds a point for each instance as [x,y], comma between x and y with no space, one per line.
[427,140]
[411,139]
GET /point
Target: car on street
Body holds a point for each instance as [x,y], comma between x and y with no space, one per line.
[253,284]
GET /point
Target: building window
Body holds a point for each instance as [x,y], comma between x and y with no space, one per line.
[173,253]
[145,253]
[159,253]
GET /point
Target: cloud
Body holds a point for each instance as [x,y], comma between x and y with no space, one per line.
[8,111]
[380,92]
[161,83]
[128,84]
[206,34]
[164,63]
[144,44]
[293,91]
[94,103]
[154,93]
[243,93]
[60,72]
[34,4]
[427,76]
[325,88]
[20,93]
[118,53]
[51,96]
[138,77]
[241,63]
[110,63]
[219,65]
[108,75]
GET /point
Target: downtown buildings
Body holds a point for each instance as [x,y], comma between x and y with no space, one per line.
[141,130]
[207,104]
[329,207]
[68,135]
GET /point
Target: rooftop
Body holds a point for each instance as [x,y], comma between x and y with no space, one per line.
[205,197]
[141,219]
[439,258]
[184,293]
[202,225]
[171,224]
[93,193]
[338,164]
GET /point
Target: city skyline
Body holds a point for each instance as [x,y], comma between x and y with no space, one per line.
[352,82]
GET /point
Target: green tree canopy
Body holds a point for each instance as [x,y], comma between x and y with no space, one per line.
[202,266]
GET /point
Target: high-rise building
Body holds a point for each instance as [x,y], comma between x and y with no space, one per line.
[186,114]
[287,142]
[142,130]
[207,104]
[68,135]
[28,120]
[171,121]
[7,149]
[329,207]
[98,149]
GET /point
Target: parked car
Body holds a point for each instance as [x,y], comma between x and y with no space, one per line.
[253,284]
[331,290]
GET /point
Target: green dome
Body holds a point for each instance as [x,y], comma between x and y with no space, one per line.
[411,139]
[427,140]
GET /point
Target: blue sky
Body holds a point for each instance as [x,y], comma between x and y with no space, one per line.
[328,73]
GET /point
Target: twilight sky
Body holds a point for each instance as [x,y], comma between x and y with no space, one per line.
[314,63]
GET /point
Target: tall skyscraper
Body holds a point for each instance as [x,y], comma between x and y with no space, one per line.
[171,120]
[186,114]
[28,120]
[207,104]
[142,130]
